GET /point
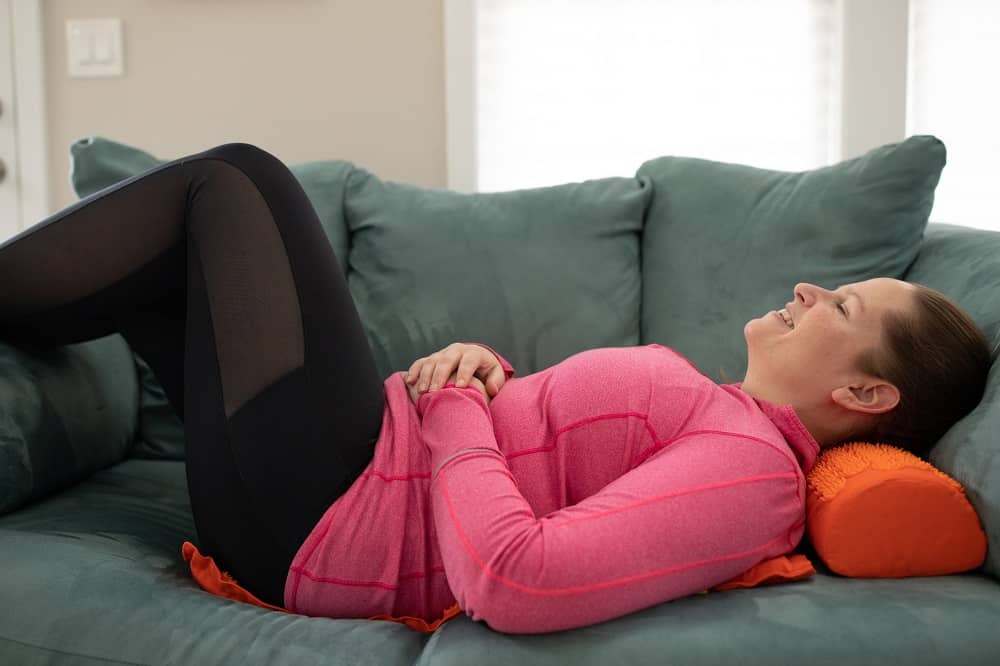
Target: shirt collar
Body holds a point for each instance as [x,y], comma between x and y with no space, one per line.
[800,440]
[803,444]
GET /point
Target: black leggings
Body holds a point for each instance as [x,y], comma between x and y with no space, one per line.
[215,269]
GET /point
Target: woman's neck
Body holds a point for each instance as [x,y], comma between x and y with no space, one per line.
[815,417]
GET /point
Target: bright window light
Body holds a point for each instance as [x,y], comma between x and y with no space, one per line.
[954,94]
[575,89]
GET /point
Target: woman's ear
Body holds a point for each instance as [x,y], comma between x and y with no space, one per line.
[871,397]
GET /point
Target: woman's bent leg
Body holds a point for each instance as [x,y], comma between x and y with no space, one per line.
[273,377]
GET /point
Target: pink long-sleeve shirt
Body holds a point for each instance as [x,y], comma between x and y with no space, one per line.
[615,480]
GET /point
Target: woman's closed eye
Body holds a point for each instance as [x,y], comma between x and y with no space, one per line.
[843,310]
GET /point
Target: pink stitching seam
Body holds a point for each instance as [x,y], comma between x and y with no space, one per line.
[365,583]
[584,588]
[405,477]
[677,493]
[583,422]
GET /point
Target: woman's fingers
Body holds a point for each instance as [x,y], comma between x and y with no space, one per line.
[494,380]
[414,372]
[459,362]
[426,371]
[445,367]
[467,368]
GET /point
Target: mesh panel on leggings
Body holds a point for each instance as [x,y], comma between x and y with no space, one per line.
[251,292]
[79,293]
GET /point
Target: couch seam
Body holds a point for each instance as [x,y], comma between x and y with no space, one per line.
[73,654]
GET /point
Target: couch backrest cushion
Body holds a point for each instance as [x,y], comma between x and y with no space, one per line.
[538,274]
[725,243]
[964,264]
[65,412]
[97,162]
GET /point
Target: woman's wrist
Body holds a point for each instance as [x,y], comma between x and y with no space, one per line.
[424,399]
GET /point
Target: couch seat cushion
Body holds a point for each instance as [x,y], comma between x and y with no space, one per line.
[825,620]
[96,577]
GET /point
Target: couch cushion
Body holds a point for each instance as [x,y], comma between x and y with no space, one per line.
[65,412]
[964,264]
[823,621]
[538,274]
[96,163]
[96,576]
[725,243]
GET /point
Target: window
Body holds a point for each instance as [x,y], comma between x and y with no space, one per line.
[549,91]
[954,93]
[575,89]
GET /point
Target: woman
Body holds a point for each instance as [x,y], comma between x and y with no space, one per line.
[615,480]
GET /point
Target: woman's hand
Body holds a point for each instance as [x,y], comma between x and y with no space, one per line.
[465,362]
[473,381]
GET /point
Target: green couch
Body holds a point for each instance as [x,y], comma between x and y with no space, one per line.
[683,253]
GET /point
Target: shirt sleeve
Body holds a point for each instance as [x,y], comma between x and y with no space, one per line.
[676,524]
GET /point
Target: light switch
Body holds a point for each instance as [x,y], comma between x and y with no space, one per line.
[94,47]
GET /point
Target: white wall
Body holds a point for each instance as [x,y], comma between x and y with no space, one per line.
[361,80]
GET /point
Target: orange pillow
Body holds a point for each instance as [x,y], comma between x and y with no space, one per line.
[877,511]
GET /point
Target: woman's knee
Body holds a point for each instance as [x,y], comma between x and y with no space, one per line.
[268,173]
[239,154]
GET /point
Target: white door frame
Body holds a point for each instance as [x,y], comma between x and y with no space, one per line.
[30,117]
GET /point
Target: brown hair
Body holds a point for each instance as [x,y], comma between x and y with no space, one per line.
[938,359]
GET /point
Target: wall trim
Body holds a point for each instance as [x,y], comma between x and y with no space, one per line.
[460,63]
[30,110]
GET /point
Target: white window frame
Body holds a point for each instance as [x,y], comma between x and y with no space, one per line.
[872,61]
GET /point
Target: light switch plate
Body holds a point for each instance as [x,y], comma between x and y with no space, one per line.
[94,47]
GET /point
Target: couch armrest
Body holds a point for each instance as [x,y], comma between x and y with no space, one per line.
[65,412]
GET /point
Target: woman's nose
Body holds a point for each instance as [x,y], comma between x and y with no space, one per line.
[807,293]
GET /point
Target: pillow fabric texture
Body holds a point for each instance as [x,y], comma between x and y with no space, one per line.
[877,511]
[726,243]
[65,412]
[964,264]
[538,274]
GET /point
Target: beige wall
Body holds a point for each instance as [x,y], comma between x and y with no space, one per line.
[361,80]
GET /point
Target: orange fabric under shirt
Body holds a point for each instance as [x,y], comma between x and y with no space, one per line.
[211,579]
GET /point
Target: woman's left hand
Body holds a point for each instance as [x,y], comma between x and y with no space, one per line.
[473,381]
[463,362]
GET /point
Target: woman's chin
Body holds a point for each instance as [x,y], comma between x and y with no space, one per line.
[756,327]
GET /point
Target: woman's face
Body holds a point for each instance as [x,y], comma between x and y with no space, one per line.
[804,359]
